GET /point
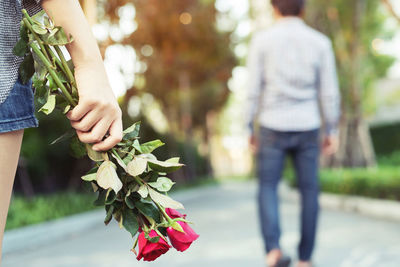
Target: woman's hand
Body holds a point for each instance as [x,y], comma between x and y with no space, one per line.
[97,117]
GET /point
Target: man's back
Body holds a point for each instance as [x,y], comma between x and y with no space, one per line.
[290,65]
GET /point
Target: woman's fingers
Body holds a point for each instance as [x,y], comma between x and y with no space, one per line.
[79,111]
[86,123]
[114,138]
[97,133]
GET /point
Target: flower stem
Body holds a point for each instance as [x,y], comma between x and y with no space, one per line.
[28,23]
[54,57]
[53,74]
[170,221]
[67,70]
[116,154]
[135,244]
[138,180]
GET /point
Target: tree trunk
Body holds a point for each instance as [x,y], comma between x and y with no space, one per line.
[356,149]
[186,124]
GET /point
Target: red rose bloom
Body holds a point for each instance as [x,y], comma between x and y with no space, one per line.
[151,251]
[180,241]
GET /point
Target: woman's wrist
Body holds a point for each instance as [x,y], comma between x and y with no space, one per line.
[85,57]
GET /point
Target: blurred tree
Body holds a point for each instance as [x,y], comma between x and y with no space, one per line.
[185,61]
[354,26]
[391,9]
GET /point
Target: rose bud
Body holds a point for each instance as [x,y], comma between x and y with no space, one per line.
[150,251]
[181,241]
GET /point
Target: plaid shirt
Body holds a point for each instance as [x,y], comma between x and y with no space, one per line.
[11,15]
[292,72]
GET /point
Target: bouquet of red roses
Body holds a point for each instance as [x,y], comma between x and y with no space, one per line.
[131,183]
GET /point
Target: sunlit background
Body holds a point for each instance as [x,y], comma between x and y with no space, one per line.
[180,68]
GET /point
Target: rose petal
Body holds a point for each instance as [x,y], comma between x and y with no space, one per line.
[174,213]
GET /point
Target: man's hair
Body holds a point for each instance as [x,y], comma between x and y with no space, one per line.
[289,7]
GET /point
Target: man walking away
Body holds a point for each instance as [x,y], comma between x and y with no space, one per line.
[291,68]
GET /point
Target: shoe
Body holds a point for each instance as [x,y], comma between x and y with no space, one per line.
[284,261]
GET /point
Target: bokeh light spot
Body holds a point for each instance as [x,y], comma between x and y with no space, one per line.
[185,18]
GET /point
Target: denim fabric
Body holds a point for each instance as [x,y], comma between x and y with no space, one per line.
[303,147]
[17,111]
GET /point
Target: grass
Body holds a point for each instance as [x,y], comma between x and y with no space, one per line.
[43,208]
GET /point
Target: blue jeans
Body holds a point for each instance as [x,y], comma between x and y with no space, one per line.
[17,111]
[303,147]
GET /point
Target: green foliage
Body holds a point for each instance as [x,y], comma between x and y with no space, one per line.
[352,26]
[43,208]
[385,139]
[382,182]
[189,64]
[392,159]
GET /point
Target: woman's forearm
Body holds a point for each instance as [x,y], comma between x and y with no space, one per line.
[69,15]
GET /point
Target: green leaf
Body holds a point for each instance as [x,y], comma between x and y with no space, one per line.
[27,68]
[40,69]
[89,177]
[107,176]
[164,201]
[66,135]
[66,109]
[129,221]
[61,76]
[53,32]
[111,197]
[137,166]
[150,146]
[136,145]
[23,32]
[77,148]
[37,17]
[41,90]
[101,199]
[129,202]
[39,30]
[163,184]
[109,210]
[56,38]
[52,83]
[152,239]
[129,157]
[71,65]
[47,22]
[94,155]
[176,226]
[173,160]
[93,170]
[143,191]
[149,210]
[94,187]
[49,106]
[132,132]
[165,166]
[21,48]
[120,162]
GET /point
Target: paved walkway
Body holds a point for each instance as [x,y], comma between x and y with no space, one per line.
[226,219]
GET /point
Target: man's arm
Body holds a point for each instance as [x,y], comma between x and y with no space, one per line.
[330,99]
[256,82]
[97,112]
